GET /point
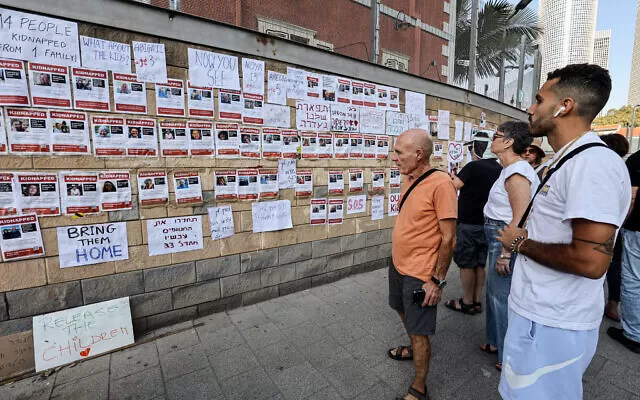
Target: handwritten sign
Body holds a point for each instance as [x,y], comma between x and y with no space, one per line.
[253,76]
[269,216]
[105,54]
[356,204]
[458,130]
[221,222]
[296,83]
[277,116]
[40,39]
[396,123]
[454,152]
[377,208]
[277,89]
[69,335]
[312,116]
[92,244]
[287,173]
[394,204]
[372,120]
[468,130]
[174,235]
[16,354]
[345,118]
[415,103]
[215,70]
[151,62]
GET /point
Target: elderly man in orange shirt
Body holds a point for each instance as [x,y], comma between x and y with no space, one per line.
[422,246]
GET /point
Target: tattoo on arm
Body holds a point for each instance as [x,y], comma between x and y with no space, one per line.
[604,247]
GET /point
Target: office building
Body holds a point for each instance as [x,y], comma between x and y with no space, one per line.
[601,46]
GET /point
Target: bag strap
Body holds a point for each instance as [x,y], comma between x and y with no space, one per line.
[414,184]
[551,171]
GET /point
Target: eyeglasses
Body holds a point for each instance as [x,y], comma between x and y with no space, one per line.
[496,136]
[529,151]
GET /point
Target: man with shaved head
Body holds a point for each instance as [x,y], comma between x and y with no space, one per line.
[422,247]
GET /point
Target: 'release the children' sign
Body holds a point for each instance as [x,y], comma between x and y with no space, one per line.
[92,244]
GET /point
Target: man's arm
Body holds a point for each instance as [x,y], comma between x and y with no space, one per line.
[634,192]
[445,253]
[457,182]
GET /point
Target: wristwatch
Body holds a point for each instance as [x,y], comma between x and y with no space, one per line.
[441,283]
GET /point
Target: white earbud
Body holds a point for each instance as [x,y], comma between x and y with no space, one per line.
[560,111]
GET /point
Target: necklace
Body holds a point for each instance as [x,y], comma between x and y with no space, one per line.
[564,150]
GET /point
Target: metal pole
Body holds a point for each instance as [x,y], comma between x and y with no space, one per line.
[537,71]
[521,71]
[633,124]
[502,72]
[375,31]
[473,44]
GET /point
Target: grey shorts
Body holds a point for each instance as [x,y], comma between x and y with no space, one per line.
[420,321]
[471,246]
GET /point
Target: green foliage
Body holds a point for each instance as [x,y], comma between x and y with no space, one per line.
[621,116]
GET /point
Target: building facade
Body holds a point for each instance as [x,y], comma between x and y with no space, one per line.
[634,81]
[601,46]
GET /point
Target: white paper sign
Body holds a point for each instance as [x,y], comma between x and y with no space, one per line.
[215,70]
[151,62]
[455,152]
[277,116]
[253,76]
[287,173]
[415,103]
[92,244]
[377,208]
[459,130]
[443,116]
[296,83]
[394,204]
[468,129]
[312,115]
[105,54]
[174,235]
[345,118]
[21,237]
[356,204]
[372,120]
[269,216]
[396,123]
[69,335]
[221,222]
[277,90]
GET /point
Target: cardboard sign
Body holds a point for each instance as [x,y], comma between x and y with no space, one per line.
[16,354]
[92,244]
[151,62]
[174,235]
[105,54]
[66,336]
[269,216]
[221,222]
[215,70]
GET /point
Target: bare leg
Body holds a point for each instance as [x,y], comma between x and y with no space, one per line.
[480,277]
[421,356]
[468,278]
[405,352]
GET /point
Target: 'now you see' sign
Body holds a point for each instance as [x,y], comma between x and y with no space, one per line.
[92,244]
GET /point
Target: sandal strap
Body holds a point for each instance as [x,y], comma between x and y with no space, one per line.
[417,394]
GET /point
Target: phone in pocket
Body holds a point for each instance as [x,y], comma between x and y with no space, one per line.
[418,296]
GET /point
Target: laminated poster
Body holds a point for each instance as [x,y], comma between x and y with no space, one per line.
[394,178]
[142,140]
[13,84]
[329,87]
[313,115]
[151,61]
[79,192]
[173,138]
[250,142]
[226,187]
[286,173]
[271,143]
[153,188]
[382,147]
[115,190]
[356,180]
[277,89]
[92,244]
[39,193]
[309,147]
[28,131]
[253,76]
[170,98]
[129,94]
[9,197]
[325,145]
[394,204]
[227,140]
[370,96]
[318,211]
[437,150]
[394,99]
[396,123]
[415,103]
[109,138]
[304,183]
[377,208]
[188,187]
[221,222]
[277,116]
[215,70]
[383,97]
[377,180]
[336,211]
[200,101]
[174,235]
[200,138]
[21,237]
[253,112]
[341,145]
[270,216]
[313,86]
[90,89]
[296,84]
[345,118]
[105,54]
[369,149]
[357,93]
[49,85]
[433,126]
[343,92]
[230,105]
[356,149]
[372,120]
[268,183]
[336,182]
[290,143]
[248,187]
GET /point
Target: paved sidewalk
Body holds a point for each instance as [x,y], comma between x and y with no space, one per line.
[327,343]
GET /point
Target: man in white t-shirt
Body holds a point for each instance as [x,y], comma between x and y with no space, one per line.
[557,298]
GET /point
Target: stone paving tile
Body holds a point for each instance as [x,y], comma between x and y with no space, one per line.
[93,387]
[143,385]
[262,335]
[305,334]
[178,341]
[345,332]
[299,381]
[624,378]
[215,340]
[278,356]
[218,320]
[35,388]
[134,359]
[379,391]
[326,394]
[350,377]
[324,354]
[233,362]
[183,361]
[247,317]
[325,291]
[275,305]
[85,368]
[197,385]
[287,318]
[367,349]
[253,384]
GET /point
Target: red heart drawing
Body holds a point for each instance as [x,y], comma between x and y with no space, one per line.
[455,151]
[85,353]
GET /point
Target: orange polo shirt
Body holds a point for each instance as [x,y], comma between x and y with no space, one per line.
[416,235]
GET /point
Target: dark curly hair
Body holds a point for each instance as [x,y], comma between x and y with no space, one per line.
[617,143]
[588,84]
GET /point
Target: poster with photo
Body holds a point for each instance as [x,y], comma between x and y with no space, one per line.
[394,204]
[313,115]
[415,103]
[277,88]
[372,120]
[318,211]
[109,137]
[21,237]
[227,140]
[226,184]
[396,123]
[248,187]
[250,142]
[230,105]
[345,118]
[271,143]
[173,138]
[13,83]
[170,98]
[356,148]
[325,145]
[336,182]
[253,112]
[70,133]
[433,126]
[343,93]
[304,183]
[90,89]
[377,180]
[377,208]
[79,192]
[200,138]
[268,183]
[369,150]
[129,94]
[356,180]
[382,147]
[370,95]
[39,193]
[394,178]
[49,85]
[188,187]
[329,87]
[115,190]
[153,188]
[296,83]
[357,93]
[28,131]
[309,147]
[277,116]
[200,101]
[142,140]
[151,61]
[341,145]
[437,150]
[336,211]
[313,86]
[394,99]
[253,76]
[383,97]
[290,143]
[9,203]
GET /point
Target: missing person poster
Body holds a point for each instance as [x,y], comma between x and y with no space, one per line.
[49,85]
[115,190]
[21,237]
[313,86]
[3,134]
[437,150]
[226,187]
[433,126]
[271,143]
[382,147]
[188,187]
[200,138]
[336,182]
[153,188]
[356,180]
[377,180]
[318,211]
[230,105]
[174,235]
[227,140]
[13,84]
[329,87]
[341,146]
[394,178]
[129,94]
[173,138]
[9,203]
[70,133]
[250,142]
[28,131]
[170,98]
[343,93]
[268,183]
[369,149]
[39,193]
[370,96]
[336,211]
[109,138]
[357,93]
[394,99]
[356,149]
[200,101]
[309,147]
[248,187]
[325,145]
[304,183]
[90,89]
[141,137]
[92,244]
[253,112]
[345,118]
[79,192]
[383,97]
[290,143]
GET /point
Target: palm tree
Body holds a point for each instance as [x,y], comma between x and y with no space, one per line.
[498,36]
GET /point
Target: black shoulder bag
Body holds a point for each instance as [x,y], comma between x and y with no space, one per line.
[414,184]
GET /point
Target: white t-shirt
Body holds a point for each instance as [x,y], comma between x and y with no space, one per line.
[593,185]
[498,206]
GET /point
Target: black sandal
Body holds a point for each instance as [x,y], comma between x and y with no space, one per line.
[464,308]
[416,394]
[477,306]
[399,351]
[487,348]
